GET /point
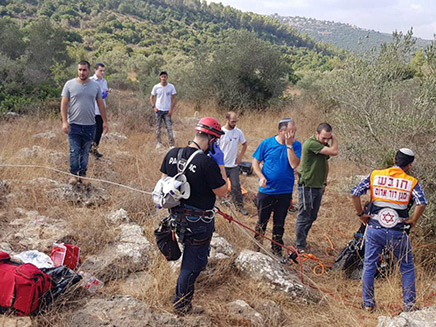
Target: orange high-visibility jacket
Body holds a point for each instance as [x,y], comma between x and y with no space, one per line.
[391,187]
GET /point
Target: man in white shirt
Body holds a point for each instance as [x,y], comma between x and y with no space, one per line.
[229,144]
[163,100]
[98,77]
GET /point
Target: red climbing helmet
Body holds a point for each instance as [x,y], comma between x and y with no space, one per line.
[209,125]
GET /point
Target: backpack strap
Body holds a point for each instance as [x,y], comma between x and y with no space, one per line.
[179,155]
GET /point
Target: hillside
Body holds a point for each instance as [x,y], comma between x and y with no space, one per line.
[156,26]
[342,36]
[37,207]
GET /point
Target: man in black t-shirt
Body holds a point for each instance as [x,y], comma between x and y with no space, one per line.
[207,178]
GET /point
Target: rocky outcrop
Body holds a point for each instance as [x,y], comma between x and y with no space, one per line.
[130,252]
[241,309]
[115,136]
[420,318]
[118,217]
[262,268]
[80,194]
[37,232]
[220,248]
[127,311]
[45,135]
[15,322]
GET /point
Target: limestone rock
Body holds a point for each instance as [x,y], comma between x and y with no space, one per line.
[37,151]
[46,135]
[118,217]
[115,136]
[129,253]
[271,312]
[242,309]
[137,283]
[126,311]
[420,318]
[15,321]
[262,268]
[6,247]
[37,232]
[80,194]
[220,248]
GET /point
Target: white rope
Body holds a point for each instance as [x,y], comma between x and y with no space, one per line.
[72,175]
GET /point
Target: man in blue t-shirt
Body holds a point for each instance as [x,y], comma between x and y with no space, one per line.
[280,155]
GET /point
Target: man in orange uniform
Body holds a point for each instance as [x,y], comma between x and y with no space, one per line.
[392,193]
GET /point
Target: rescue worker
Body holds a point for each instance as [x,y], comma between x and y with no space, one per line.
[392,192]
[195,216]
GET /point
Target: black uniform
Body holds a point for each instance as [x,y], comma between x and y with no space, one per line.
[203,175]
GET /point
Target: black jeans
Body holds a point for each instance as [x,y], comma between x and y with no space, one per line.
[309,201]
[233,174]
[267,203]
[162,117]
[98,129]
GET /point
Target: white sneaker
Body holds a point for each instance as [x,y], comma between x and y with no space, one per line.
[172,147]
[159,146]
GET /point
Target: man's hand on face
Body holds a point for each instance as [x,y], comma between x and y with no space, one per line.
[290,138]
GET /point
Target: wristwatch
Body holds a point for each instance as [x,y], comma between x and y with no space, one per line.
[290,147]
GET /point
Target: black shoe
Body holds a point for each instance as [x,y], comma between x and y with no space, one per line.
[97,154]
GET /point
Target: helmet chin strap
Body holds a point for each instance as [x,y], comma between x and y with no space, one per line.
[192,141]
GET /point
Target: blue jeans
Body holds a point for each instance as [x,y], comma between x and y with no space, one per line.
[397,241]
[309,201]
[80,138]
[193,262]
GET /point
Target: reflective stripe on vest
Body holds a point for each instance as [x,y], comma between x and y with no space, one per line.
[392,186]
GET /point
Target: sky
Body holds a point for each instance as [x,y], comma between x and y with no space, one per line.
[380,15]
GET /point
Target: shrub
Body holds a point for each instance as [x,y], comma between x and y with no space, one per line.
[381,108]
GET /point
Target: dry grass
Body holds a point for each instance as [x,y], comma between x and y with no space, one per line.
[135,163]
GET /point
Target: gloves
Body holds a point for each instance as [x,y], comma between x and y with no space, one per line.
[218,156]
[104,94]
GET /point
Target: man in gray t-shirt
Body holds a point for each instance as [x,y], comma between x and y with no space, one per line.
[78,117]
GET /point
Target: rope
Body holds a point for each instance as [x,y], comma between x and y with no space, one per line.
[302,257]
[72,175]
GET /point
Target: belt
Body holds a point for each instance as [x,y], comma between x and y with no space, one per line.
[199,213]
[401,228]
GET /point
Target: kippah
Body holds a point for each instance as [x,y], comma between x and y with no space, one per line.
[286,120]
[407,152]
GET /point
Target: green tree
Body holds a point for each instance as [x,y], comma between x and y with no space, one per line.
[236,78]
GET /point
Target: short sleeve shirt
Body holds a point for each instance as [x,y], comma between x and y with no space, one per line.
[313,164]
[229,143]
[82,97]
[276,168]
[203,176]
[103,87]
[163,96]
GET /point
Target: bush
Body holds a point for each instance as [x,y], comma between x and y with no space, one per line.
[380,109]
[243,72]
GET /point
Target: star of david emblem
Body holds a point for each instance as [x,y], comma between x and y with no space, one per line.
[388,217]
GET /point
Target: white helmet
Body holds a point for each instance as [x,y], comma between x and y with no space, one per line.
[170,190]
